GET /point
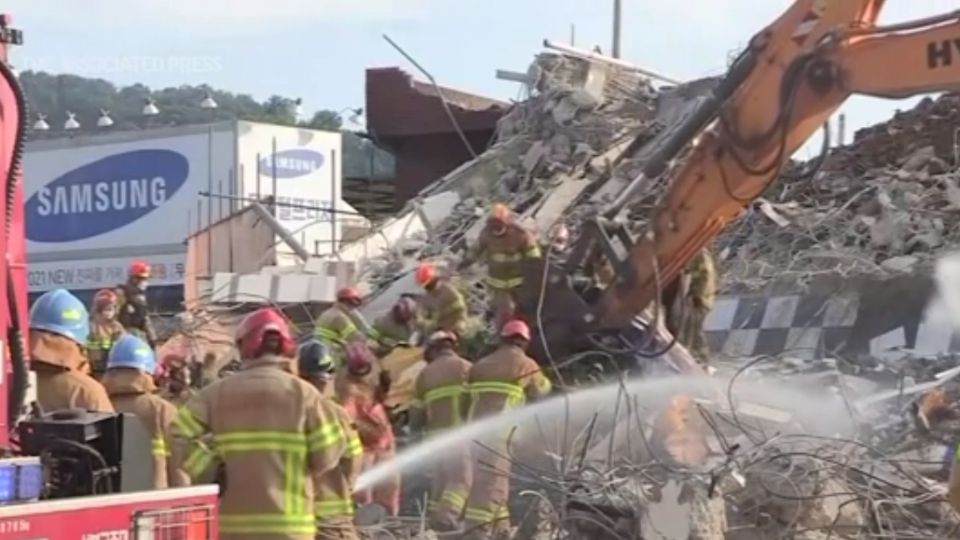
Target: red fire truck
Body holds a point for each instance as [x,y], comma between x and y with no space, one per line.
[68,476]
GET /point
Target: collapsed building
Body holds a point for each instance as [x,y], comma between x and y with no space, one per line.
[830,272]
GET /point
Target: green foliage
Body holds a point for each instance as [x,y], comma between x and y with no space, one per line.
[54,95]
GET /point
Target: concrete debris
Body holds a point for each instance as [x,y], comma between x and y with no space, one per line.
[885,205]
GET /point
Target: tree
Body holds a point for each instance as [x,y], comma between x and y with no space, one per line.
[325,120]
[55,95]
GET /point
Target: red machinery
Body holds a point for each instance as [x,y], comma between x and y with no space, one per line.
[182,514]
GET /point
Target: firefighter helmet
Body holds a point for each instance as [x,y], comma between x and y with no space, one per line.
[313,357]
[405,309]
[441,336]
[426,274]
[61,313]
[253,329]
[349,295]
[139,269]
[359,358]
[105,297]
[516,328]
[132,352]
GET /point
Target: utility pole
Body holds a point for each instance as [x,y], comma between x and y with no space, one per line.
[573,35]
[617,18]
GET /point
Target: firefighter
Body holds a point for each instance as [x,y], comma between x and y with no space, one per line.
[316,366]
[129,382]
[134,312]
[504,244]
[363,401]
[441,403]
[505,379]
[397,326]
[174,372]
[59,328]
[688,301]
[105,330]
[271,433]
[338,326]
[443,307]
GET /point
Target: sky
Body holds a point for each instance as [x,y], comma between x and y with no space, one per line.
[318,50]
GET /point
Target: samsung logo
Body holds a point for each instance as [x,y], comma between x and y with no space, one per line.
[105,195]
[292,163]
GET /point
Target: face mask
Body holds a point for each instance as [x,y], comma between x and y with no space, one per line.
[143,285]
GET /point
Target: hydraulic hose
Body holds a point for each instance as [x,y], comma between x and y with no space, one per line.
[18,357]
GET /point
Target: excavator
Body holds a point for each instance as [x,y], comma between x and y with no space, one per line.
[67,477]
[721,156]
[76,475]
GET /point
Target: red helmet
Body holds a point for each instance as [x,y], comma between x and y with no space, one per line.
[104,297]
[349,295]
[359,358]
[254,328]
[139,269]
[425,274]
[515,328]
[405,309]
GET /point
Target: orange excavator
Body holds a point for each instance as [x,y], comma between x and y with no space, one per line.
[790,79]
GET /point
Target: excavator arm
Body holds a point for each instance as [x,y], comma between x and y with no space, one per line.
[784,86]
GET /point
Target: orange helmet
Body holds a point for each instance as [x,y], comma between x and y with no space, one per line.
[500,214]
[426,273]
[254,328]
[349,295]
[104,297]
[139,269]
[516,328]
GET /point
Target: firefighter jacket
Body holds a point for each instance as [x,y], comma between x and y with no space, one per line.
[334,493]
[133,312]
[103,334]
[361,397]
[134,392]
[275,439]
[441,391]
[504,255]
[703,280]
[443,308]
[503,380]
[335,327]
[388,332]
[63,380]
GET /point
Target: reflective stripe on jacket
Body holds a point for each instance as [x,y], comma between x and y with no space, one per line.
[504,380]
[441,391]
[334,506]
[134,392]
[505,254]
[276,440]
[335,328]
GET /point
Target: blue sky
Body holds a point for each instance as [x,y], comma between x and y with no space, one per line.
[318,49]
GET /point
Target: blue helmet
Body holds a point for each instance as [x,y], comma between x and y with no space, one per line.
[314,358]
[132,352]
[61,313]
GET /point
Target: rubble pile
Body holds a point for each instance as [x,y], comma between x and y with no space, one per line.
[573,129]
[883,206]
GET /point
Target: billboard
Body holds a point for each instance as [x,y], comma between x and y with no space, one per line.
[93,205]
[301,169]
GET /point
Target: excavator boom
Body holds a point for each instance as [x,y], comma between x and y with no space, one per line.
[786,84]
